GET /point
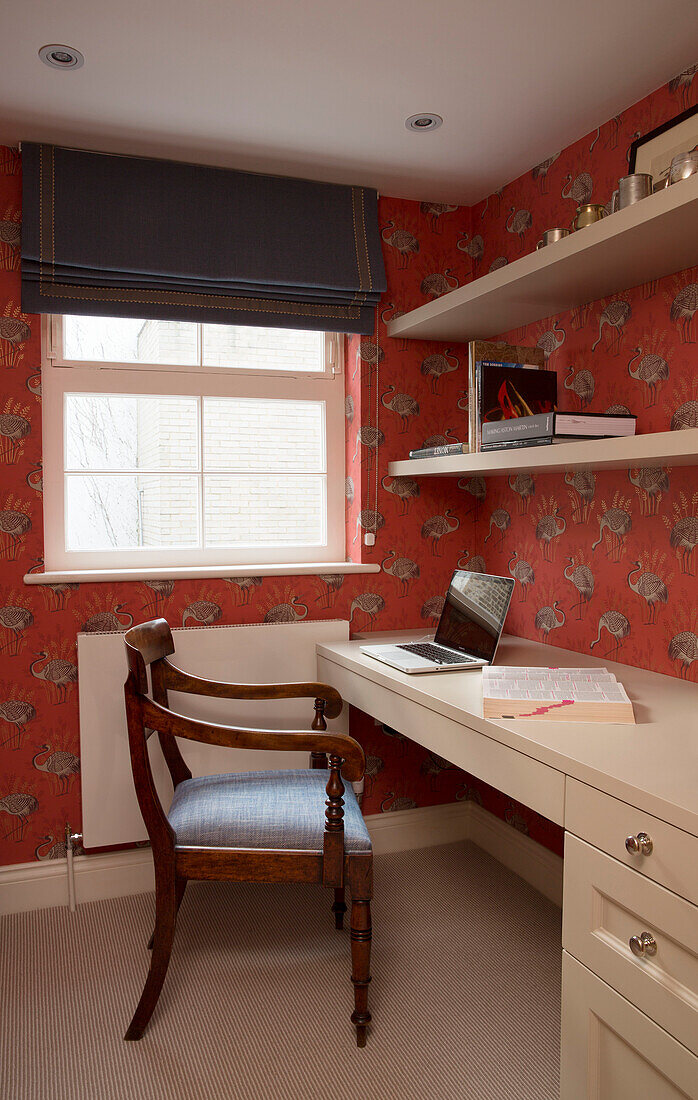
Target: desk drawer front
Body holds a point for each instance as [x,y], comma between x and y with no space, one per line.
[612,1051]
[521,777]
[606,822]
[608,906]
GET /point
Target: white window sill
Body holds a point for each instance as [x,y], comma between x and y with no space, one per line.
[197,572]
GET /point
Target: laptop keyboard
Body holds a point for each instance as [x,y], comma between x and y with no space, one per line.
[436,653]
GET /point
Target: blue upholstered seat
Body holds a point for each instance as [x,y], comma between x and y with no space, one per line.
[272,809]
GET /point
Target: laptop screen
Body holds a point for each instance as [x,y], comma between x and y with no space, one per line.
[474,613]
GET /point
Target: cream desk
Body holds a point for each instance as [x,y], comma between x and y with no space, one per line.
[627,797]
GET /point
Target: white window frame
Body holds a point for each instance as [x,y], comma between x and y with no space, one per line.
[61,376]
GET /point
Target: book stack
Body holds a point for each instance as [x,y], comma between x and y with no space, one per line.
[506,380]
[554,427]
[512,402]
[555,695]
[508,392]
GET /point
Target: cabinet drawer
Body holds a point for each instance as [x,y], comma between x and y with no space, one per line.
[605,905]
[612,1051]
[605,822]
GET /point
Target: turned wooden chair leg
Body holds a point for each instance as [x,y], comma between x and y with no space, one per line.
[339,908]
[180,887]
[165,920]
[361,965]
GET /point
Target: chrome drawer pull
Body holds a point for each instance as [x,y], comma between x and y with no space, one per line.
[640,845]
[643,946]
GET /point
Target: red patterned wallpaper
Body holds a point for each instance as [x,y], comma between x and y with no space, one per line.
[605,563]
[399,394]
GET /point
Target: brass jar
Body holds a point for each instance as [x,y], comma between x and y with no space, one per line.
[588,213]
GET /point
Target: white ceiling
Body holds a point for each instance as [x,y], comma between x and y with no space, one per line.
[321,88]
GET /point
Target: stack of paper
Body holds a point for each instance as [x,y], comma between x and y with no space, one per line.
[554,694]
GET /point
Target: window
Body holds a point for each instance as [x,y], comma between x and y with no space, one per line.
[176,444]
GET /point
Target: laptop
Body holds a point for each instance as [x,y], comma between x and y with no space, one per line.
[468,633]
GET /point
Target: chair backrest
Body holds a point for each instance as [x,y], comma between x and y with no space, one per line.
[146,643]
[150,644]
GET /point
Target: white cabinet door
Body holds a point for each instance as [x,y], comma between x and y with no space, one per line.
[608,909]
[612,1051]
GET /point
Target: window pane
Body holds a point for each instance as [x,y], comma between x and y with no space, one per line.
[126,340]
[105,432]
[251,434]
[248,348]
[127,511]
[264,510]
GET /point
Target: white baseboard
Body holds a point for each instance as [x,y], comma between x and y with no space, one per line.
[41,885]
[525,857]
[403,830]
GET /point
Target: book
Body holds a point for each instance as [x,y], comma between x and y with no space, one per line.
[514,366]
[555,695]
[540,441]
[523,427]
[512,444]
[491,351]
[445,449]
[594,424]
[560,426]
[506,393]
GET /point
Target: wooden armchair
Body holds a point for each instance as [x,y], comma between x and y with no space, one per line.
[268,826]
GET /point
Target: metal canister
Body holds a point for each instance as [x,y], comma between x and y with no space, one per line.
[552,235]
[683,165]
[633,188]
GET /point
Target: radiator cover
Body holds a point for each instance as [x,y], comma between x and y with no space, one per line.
[267,653]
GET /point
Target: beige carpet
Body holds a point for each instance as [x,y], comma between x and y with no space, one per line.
[465,993]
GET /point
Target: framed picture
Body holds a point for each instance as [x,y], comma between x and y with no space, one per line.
[653,152]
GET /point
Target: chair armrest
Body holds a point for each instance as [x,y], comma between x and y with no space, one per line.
[178,725]
[178,680]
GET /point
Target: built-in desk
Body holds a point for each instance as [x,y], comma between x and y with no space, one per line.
[652,765]
[628,799]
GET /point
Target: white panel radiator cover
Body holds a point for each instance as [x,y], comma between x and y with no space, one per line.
[269,653]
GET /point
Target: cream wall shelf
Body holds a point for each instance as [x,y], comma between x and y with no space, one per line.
[649,240]
[657,449]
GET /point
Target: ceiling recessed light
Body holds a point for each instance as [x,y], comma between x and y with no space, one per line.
[61,57]
[424,121]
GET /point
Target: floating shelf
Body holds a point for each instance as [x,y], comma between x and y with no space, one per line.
[660,448]
[653,238]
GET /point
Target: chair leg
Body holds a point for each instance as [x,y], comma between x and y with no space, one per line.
[180,887]
[360,965]
[165,920]
[339,908]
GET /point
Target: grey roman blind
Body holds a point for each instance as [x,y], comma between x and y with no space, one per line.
[134,237]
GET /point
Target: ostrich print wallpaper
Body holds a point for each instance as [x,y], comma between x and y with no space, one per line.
[604,563]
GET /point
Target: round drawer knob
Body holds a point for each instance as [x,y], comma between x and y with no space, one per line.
[640,845]
[643,946]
